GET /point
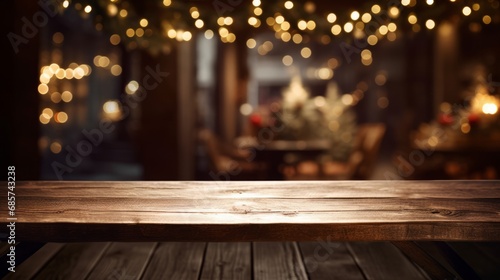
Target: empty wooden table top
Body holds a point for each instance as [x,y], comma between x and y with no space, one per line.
[256,211]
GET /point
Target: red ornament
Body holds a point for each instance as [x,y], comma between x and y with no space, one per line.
[445,119]
[256,120]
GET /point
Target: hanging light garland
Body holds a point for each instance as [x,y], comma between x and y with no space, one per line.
[157,25]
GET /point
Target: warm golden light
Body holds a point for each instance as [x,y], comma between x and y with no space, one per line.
[366,54]
[69,73]
[355,15]
[366,17]
[279,19]
[199,23]
[55,97]
[48,113]
[297,38]
[383,29]
[392,27]
[246,109]
[286,37]
[209,34]
[251,43]
[61,117]
[186,36]
[103,61]
[60,73]
[486,19]
[430,24]
[305,52]
[44,78]
[311,25]
[289,5]
[302,24]
[116,70]
[333,63]
[466,11]
[66,96]
[43,88]
[44,119]
[325,73]
[55,147]
[375,9]
[490,108]
[132,87]
[287,60]
[331,18]
[394,12]
[228,20]
[123,13]
[348,27]
[372,40]
[115,39]
[336,29]
[88,9]
[412,19]
[112,109]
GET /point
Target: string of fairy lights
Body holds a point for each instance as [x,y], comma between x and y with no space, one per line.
[161,23]
[158,25]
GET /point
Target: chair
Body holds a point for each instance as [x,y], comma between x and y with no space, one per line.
[226,159]
[360,164]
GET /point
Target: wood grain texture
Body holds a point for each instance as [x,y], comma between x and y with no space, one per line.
[258,211]
[176,260]
[75,261]
[277,260]
[381,260]
[123,261]
[227,261]
[329,260]
[29,268]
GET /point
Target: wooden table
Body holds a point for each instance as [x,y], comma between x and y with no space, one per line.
[259,211]
[274,152]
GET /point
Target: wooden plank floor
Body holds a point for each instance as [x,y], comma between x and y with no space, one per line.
[239,260]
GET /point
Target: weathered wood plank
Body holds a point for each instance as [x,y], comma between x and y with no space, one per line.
[75,261]
[262,189]
[227,261]
[79,232]
[467,207]
[329,260]
[29,268]
[123,261]
[176,260]
[381,260]
[267,211]
[279,260]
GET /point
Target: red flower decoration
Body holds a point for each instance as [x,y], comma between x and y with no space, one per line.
[445,119]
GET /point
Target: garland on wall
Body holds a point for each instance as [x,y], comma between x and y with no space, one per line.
[158,24]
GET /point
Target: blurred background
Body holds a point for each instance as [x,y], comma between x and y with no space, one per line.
[251,90]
